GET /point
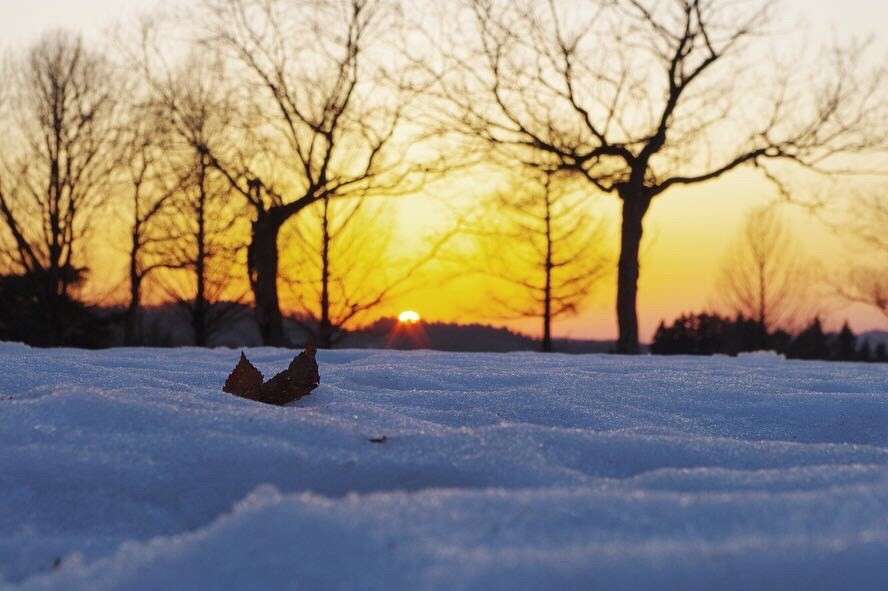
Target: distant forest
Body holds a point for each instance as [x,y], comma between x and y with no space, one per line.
[711,334]
[690,334]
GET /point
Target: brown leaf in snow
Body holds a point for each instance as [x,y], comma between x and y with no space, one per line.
[244,380]
[298,380]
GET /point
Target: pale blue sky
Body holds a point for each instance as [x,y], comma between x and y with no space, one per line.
[23,19]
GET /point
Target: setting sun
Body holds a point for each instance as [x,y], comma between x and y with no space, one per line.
[408,317]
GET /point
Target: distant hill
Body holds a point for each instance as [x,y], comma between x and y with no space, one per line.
[388,333]
[165,326]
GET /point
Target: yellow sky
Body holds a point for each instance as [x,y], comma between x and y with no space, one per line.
[687,233]
[687,230]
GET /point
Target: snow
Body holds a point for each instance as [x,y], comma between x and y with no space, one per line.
[130,469]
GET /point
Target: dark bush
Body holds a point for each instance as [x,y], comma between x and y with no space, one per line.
[30,315]
[708,334]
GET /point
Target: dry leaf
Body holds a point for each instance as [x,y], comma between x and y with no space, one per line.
[298,380]
[244,380]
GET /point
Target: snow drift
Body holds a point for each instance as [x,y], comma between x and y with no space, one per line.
[130,469]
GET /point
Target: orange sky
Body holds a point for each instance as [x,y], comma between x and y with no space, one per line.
[687,233]
[687,230]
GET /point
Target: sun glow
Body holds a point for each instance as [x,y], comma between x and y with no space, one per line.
[408,317]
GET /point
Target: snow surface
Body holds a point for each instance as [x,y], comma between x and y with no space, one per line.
[130,469]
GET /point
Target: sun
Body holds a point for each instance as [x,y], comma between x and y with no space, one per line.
[409,317]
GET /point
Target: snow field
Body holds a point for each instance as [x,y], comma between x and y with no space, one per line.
[130,469]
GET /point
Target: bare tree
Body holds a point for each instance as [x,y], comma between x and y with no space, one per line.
[199,243]
[58,165]
[642,96]
[321,126]
[765,278]
[199,250]
[198,236]
[340,249]
[541,244]
[150,184]
[344,266]
[866,228]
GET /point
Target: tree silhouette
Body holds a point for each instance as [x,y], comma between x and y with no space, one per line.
[56,168]
[343,265]
[638,97]
[150,184]
[543,247]
[844,344]
[198,242]
[199,252]
[866,228]
[327,128]
[693,334]
[811,343]
[765,277]
[865,352]
[709,334]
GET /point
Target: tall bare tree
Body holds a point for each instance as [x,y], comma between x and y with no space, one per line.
[544,247]
[343,266]
[57,165]
[638,97]
[765,277]
[199,237]
[199,249]
[866,228]
[149,183]
[322,125]
[339,264]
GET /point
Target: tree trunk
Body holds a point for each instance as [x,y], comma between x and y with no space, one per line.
[52,305]
[132,326]
[763,308]
[199,323]
[547,291]
[547,333]
[262,264]
[325,333]
[199,310]
[131,336]
[325,328]
[547,312]
[635,206]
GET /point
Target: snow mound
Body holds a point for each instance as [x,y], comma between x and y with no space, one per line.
[129,469]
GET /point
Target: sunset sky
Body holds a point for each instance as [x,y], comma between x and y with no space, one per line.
[687,230]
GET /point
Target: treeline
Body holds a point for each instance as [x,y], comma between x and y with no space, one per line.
[711,334]
[243,151]
[27,316]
